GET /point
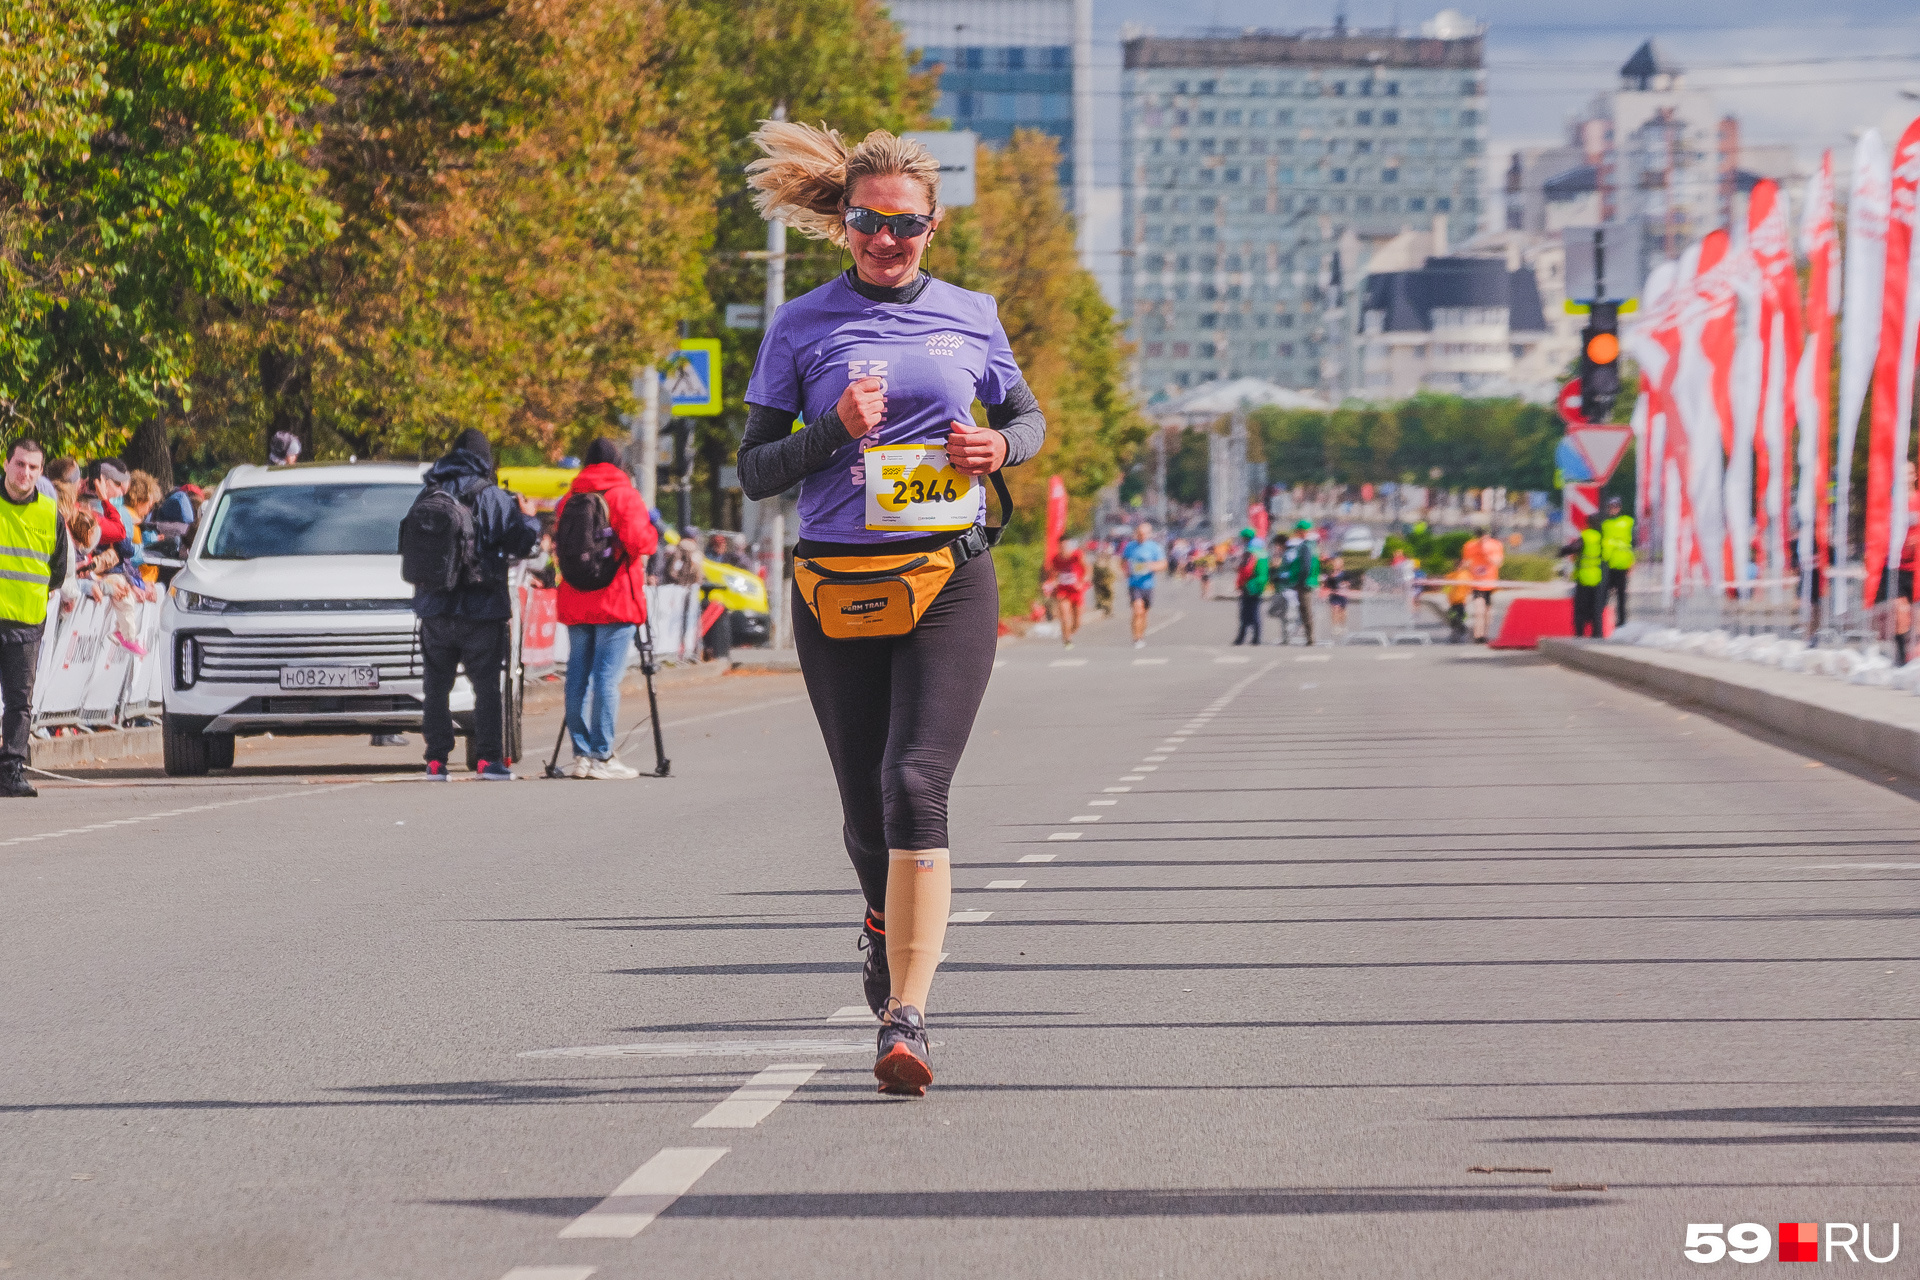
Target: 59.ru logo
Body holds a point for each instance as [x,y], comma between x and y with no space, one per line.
[1799,1242]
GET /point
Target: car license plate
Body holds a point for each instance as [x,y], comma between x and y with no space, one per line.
[329,677]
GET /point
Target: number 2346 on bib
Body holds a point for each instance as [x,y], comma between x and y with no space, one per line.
[916,490]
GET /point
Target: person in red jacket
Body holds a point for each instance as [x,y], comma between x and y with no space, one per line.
[600,624]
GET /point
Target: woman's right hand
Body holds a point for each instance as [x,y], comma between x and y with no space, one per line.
[862,407]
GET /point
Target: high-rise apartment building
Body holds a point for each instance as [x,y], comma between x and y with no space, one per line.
[1250,161]
[1010,64]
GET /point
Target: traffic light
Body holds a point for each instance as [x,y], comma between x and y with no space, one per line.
[1600,362]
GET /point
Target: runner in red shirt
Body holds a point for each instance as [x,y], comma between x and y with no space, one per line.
[1067,578]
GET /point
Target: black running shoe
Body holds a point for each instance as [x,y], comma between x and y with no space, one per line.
[902,1066]
[874,974]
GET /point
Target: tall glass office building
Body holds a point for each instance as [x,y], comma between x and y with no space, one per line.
[1253,163]
[1006,65]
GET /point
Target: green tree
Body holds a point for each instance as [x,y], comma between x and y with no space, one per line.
[526,194]
[152,158]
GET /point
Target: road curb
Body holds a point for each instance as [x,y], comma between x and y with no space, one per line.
[1877,727]
[73,749]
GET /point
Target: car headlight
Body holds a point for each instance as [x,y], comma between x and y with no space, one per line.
[739,582]
[194,602]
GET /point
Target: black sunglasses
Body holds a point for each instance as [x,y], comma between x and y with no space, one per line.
[904,226]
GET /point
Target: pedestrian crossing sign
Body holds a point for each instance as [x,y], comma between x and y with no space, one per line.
[692,378]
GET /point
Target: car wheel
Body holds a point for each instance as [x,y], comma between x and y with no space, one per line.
[183,755]
[219,750]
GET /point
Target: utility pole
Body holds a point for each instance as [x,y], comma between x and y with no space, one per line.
[645,448]
[776,253]
[775,299]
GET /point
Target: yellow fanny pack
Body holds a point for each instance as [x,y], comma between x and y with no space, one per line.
[869,597]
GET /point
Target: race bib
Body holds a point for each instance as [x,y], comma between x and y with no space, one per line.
[914,489]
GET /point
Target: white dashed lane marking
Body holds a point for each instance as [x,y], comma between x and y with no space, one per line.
[548,1273]
[851,1013]
[1084,817]
[755,1100]
[1093,804]
[646,1194]
[1065,835]
[1038,857]
[968,917]
[1006,884]
[1113,789]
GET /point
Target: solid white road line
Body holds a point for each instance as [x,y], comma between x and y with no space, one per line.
[730,711]
[1038,857]
[968,917]
[549,1273]
[1006,884]
[851,1013]
[755,1100]
[645,1195]
[1161,626]
[1065,835]
[710,1049]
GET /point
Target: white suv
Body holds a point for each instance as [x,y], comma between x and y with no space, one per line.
[291,617]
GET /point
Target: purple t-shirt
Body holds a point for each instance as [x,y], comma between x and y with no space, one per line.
[935,355]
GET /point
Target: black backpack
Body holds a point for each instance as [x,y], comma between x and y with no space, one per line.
[585,546]
[438,546]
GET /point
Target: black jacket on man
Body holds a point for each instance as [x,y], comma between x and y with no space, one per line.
[501,534]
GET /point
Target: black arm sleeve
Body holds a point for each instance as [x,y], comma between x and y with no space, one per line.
[774,457]
[1019,419]
[57,567]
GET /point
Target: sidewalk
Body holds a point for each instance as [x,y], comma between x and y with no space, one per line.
[1878,727]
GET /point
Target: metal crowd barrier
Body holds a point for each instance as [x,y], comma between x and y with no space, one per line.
[1384,611]
[86,681]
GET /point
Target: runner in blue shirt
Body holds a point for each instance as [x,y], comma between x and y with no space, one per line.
[1145,558]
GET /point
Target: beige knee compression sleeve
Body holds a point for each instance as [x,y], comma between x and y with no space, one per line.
[919,898]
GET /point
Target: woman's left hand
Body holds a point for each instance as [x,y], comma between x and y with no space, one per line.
[975,450]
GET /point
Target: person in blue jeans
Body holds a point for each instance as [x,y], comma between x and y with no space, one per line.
[1144,559]
[600,624]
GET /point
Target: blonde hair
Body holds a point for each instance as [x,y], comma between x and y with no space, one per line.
[143,489]
[806,173]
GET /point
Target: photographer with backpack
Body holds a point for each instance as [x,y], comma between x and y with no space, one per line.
[455,543]
[601,542]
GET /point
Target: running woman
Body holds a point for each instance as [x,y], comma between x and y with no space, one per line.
[883,363]
[1067,575]
[1144,558]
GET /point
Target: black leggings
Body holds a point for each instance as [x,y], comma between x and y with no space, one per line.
[896,714]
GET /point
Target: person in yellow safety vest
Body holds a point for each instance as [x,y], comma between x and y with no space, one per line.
[1616,548]
[33,565]
[1589,575]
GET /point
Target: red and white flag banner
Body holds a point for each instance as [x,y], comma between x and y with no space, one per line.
[1813,378]
[1887,452]
[1866,263]
[1780,339]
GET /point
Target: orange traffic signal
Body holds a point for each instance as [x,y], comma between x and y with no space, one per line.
[1603,348]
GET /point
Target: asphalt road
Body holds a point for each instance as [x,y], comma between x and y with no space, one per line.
[1316,932]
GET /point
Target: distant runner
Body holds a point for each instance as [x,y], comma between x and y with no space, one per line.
[1144,558]
[1481,559]
[1067,576]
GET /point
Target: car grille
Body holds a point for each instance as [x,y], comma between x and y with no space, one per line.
[324,704]
[229,659]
